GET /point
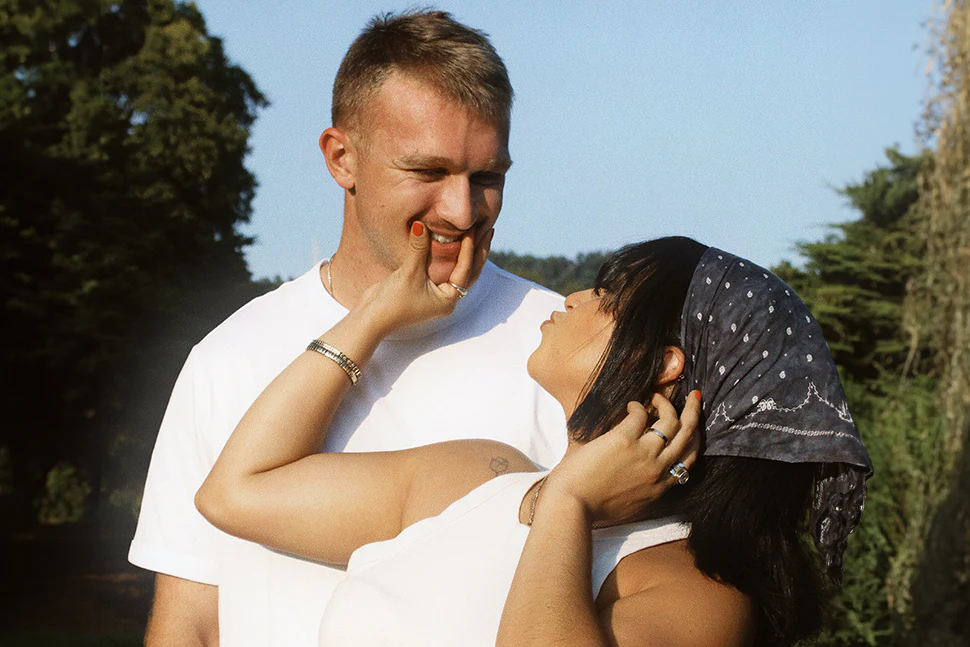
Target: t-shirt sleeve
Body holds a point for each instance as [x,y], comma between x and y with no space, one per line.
[172,537]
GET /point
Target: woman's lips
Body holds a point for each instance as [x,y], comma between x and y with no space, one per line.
[551,320]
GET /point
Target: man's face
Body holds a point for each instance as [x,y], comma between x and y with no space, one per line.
[421,156]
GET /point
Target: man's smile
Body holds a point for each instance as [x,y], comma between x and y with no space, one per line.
[444,239]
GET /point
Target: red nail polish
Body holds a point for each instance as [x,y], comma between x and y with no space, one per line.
[698,393]
[417,228]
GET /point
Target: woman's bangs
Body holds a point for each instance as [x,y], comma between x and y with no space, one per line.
[621,277]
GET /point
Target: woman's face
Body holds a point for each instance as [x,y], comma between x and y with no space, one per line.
[572,344]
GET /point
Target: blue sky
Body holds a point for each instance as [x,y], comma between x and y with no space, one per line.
[728,121]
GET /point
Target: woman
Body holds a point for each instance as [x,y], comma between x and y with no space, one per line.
[631,542]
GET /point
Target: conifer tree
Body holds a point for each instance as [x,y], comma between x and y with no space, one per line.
[855,279]
[123,129]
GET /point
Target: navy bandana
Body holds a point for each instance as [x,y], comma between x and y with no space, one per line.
[770,387]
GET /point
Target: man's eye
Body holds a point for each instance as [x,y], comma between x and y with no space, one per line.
[428,173]
[488,179]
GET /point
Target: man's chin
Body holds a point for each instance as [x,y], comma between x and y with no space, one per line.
[440,275]
[440,272]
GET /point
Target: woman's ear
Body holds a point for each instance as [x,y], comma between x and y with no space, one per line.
[673,365]
[340,155]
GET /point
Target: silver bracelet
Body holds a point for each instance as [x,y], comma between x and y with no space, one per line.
[341,360]
[535,498]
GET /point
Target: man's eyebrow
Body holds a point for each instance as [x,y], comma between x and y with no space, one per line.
[496,164]
[501,164]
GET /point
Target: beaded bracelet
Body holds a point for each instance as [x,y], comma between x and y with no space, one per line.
[344,362]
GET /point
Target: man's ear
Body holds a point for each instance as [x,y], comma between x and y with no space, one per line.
[341,157]
[673,365]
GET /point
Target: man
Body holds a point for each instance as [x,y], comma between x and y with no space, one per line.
[420,131]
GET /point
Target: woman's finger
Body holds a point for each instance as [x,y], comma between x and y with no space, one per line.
[635,422]
[419,244]
[461,275]
[665,410]
[683,446]
[691,415]
[667,421]
[656,438]
[693,450]
[481,255]
[690,418]
[660,433]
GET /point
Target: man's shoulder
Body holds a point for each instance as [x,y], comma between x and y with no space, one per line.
[527,294]
[283,311]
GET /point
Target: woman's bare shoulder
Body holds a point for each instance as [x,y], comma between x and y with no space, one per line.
[659,593]
[481,456]
[445,472]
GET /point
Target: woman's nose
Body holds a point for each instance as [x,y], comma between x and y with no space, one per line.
[577,298]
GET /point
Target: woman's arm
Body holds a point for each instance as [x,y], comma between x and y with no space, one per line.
[269,484]
[550,602]
[607,480]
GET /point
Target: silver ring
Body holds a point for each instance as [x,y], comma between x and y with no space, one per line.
[462,292]
[679,472]
[659,433]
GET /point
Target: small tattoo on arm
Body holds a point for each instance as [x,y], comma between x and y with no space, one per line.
[499,465]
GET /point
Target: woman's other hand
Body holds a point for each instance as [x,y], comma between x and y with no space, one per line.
[408,296]
[617,474]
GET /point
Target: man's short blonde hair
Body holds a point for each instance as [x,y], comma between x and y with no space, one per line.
[431,46]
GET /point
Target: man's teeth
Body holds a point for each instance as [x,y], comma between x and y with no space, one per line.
[442,239]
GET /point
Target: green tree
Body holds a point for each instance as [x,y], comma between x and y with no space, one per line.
[557,273]
[939,577]
[855,279]
[123,129]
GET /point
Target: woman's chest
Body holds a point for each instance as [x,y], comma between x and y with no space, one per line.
[449,588]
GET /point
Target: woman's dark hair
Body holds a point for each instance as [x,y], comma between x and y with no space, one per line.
[748,520]
[643,286]
[747,515]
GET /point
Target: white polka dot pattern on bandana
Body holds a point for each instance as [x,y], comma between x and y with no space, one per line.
[753,357]
[771,389]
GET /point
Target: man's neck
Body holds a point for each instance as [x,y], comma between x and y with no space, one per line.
[346,278]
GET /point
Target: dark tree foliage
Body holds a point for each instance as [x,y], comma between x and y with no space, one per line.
[123,134]
[940,309]
[856,282]
[557,273]
[123,130]
[855,279]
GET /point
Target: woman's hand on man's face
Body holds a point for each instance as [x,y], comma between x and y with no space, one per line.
[408,296]
[616,475]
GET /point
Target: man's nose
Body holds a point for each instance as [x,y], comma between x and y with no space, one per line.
[456,204]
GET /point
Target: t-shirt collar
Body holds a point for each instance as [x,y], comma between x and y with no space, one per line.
[477,294]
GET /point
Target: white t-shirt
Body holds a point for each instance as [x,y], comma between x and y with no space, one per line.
[459,377]
[444,580]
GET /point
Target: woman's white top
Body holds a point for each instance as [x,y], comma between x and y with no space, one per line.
[444,580]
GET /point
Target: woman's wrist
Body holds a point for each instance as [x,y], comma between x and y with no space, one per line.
[558,500]
[370,317]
